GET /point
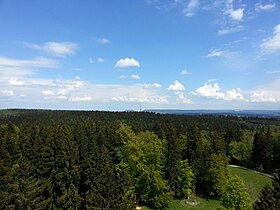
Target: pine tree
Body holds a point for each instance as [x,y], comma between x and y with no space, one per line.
[262,149]
[269,198]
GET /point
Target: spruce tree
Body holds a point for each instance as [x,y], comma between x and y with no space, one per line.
[269,198]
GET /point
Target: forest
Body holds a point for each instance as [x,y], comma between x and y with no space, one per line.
[121,160]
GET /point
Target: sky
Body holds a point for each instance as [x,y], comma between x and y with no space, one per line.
[122,54]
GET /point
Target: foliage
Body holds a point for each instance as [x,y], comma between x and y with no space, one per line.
[235,195]
[217,176]
[254,182]
[115,160]
[269,197]
[143,154]
[263,149]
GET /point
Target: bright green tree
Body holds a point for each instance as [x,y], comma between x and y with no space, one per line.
[217,174]
[235,195]
[143,153]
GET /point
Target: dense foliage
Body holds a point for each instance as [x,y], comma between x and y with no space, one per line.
[269,197]
[107,160]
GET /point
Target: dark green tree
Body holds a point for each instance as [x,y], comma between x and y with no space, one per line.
[262,149]
[269,198]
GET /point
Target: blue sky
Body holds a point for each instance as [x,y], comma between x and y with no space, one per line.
[118,55]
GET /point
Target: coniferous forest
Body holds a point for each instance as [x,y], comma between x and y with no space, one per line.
[120,160]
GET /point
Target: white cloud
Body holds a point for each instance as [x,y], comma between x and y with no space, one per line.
[103,40]
[267,93]
[263,96]
[48,93]
[185,72]
[213,90]
[237,14]
[78,90]
[264,7]
[273,72]
[221,53]
[83,98]
[230,30]
[182,99]
[191,8]
[60,49]
[16,81]
[149,100]
[272,45]
[135,76]
[154,85]
[176,86]
[39,62]
[210,90]
[7,92]
[234,94]
[123,77]
[127,62]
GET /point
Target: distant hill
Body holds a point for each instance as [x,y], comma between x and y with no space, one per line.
[241,113]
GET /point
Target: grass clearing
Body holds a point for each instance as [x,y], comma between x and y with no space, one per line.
[253,181]
[205,204]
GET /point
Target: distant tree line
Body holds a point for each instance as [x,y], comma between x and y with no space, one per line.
[104,160]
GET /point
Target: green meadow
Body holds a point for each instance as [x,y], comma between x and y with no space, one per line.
[253,181]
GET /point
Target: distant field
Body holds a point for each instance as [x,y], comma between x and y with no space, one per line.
[254,182]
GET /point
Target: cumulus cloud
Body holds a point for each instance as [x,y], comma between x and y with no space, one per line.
[182,99]
[210,90]
[135,76]
[264,7]
[154,85]
[267,93]
[178,89]
[237,14]
[39,62]
[272,44]
[264,96]
[233,14]
[16,81]
[234,94]
[60,49]
[191,8]
[221,53]
[127,62]
[185,72]
[176,86]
